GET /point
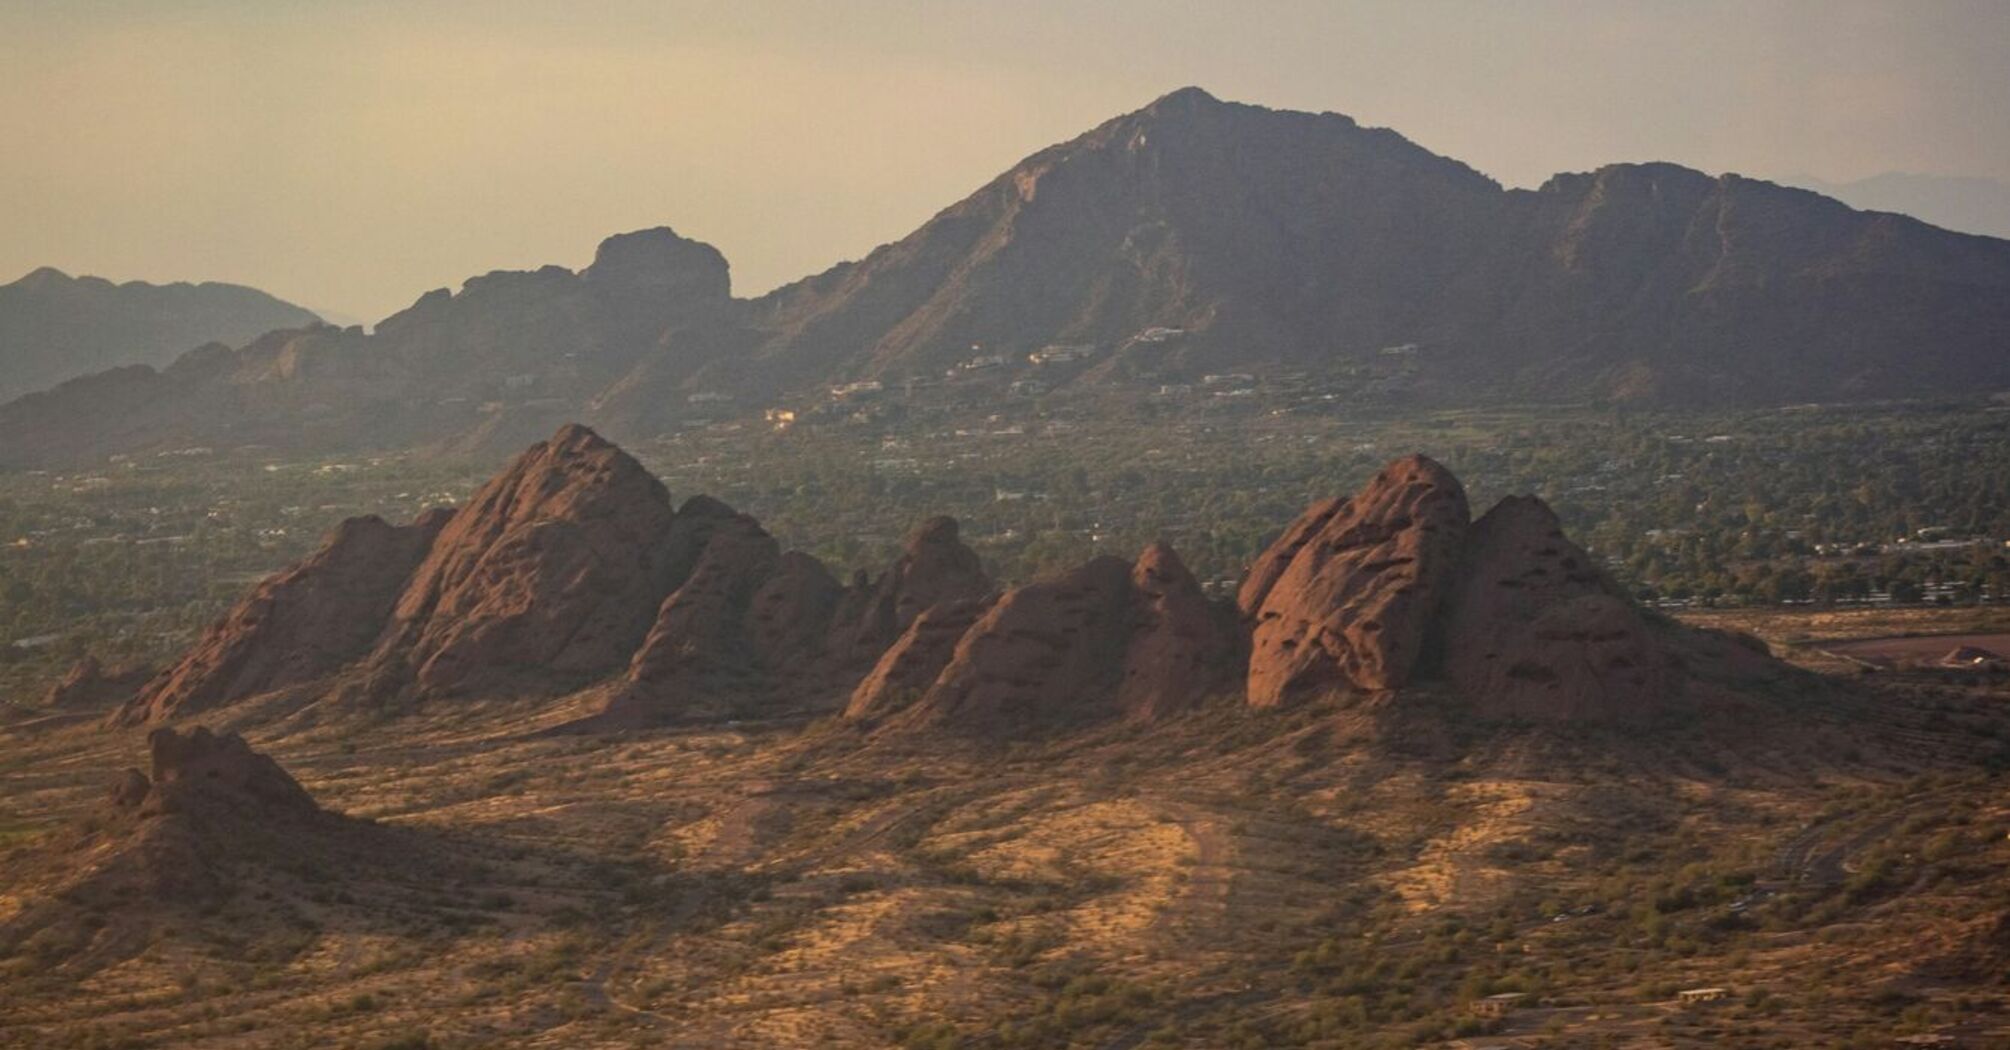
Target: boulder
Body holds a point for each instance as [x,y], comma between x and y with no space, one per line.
[89,685]
[1346,597]
[207,774]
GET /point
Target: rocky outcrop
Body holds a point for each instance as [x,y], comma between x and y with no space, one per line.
[789,616]
[934,567]
[700,643]
[552,571]
[1181,645]
[205,774]
[915,660]
[88,685]
[1109,638]
[1047,655]
[1366,594]
[1345,598]
[1535,631]
[296,626]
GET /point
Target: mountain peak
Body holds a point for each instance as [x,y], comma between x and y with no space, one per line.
[658,260]
[42,277]
[1189,97]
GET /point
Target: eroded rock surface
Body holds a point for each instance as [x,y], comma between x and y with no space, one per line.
[1346,597]
[297,625]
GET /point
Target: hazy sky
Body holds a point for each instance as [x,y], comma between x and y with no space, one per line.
[349,156]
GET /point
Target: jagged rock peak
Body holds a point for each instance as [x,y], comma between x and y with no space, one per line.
[1108,638]
[556,565]
[1181,645]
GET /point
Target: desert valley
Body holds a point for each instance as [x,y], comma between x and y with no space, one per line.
[1238,577]
[627,773]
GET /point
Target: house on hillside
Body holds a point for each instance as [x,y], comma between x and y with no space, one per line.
[1691,996]
[1494,1006]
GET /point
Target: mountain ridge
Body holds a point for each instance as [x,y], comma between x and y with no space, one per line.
[1190,237]
[55,327]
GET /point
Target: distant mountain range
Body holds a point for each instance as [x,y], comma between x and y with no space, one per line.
[55,327]
[1191,236]
[1971,205]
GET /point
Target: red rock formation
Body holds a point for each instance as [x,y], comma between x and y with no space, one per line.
[1345,597]
[555,568]
[789,616]
[1534,630]
[1041,658]
[700,633]
[915,660]
[89,685]
[934,567]
[1107,638]
[297,625]
[202,773]
[1181,644]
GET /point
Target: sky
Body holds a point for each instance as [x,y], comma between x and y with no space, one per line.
[349,156]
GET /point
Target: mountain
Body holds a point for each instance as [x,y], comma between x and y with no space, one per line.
[1965,203]
[1278,239]
[510,355]
[55,327]
[1189,237]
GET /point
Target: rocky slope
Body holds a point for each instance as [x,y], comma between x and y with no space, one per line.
[55,327]
[295,626]
[1110,638]
[1250,239]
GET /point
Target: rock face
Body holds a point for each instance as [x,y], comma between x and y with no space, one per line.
[1346,597]
[1040,658]
[554,569]
[89,685]
[700,642]
[1108,638]
[934,567]
[1535,631]
[204,774]
[1364,595]
[1181,644]
[296,626]
[915,660]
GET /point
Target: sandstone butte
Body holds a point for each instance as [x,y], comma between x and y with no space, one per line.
[571,570]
